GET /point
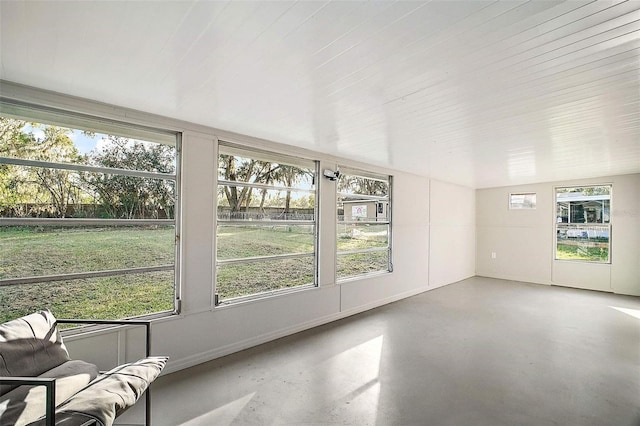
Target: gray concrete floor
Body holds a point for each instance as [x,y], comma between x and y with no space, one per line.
[478,352]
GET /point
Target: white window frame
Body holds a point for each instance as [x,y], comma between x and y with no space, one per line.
[226,147]
[560,226]
[78,121]
[515,204]
[345,170]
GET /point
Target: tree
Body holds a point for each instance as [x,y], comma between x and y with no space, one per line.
[62,186]
[130,196]
[236,169]
[586,190]
[51,189]
[231,173]
[246,170]
[11,138]
[289,176]
[361,185]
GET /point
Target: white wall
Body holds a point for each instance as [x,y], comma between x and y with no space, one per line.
[452,233]
[523,240]
[202,331]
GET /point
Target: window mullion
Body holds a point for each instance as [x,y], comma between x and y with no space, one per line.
[84,275]
[86,168]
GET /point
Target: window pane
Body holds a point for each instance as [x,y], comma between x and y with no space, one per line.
[97,298]
[579,210]
[246,203]
[354,210]
[258,216]
[28,251]
[578,242]
[27,191]
[583,204]
[238,242]
[522,201]
[350,265]
[251,278]
[75,203]
[354,237]
[363,197]
[43,142]
[352,184]
[128,197]
[130,154]
[275,173]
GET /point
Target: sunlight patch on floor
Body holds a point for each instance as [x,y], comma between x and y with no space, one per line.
[359,370]
[224,415]
[633,312]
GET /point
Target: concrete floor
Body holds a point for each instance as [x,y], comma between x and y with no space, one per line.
[478,352]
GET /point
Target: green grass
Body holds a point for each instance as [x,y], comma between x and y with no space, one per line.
[235,242]
[26,252]
[256,277]
[361,263]
[238,242]
[264,276]
[352,237]
[579,252]
[96,298]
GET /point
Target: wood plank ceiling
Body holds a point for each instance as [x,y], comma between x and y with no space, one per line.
[480,93]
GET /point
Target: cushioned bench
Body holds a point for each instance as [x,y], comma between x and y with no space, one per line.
[41,385]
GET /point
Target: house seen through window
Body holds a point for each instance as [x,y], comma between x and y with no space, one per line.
[87,218]
[583,223]
[364,223]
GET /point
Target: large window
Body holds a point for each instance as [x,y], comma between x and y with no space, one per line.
[583,225]
[87,216]
[364,223]
[266,227]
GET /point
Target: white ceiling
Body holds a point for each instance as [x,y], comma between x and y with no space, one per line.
[479,93]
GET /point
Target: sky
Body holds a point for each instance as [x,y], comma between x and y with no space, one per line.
[83,142]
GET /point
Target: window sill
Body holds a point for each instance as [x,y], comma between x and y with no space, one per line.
[244,300]
[363,277]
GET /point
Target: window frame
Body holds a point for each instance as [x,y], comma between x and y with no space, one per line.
[85,122]
[230,147]
[388,179]
[517,206]
[558,226]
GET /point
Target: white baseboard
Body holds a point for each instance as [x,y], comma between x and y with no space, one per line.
[519,279]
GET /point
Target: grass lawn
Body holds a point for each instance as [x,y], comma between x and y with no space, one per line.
[240,242]
[361,263]
[96,298]
[577,252]
[26,252]
[237,242]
